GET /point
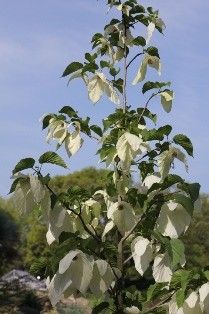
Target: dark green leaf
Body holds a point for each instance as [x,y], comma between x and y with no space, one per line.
[184,141]
[166,129]
[90,67]
[137,9]
[151,85]
[114,72]
[206,273]
[52,158]
[90,57]
[180,297]
[193,189]
[139,41]
[153,134]
[118,84]
[184,201]
[153,51]
[72,67]
[46,120]
[14,184]
[146,168]
[96,130]
[68,111]
[23,164]
[155,290]
[176,251]
[181,279]
[147,114]
[100,307]
[170,180]
[104,64]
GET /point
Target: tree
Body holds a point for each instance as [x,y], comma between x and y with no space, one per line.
[122,242]
[9,239]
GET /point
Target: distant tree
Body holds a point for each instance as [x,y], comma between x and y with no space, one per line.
[9,239]
[197,237]
[87,178]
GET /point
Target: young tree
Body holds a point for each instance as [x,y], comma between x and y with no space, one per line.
[122,242]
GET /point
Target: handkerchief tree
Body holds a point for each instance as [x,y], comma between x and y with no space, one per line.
[122,243]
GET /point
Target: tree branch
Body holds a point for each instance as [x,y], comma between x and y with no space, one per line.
[136,56]
[147,103]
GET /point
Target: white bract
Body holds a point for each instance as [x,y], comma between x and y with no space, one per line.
[57,130]
[142,253]
[73,142]
[166,99]
[150,30]
[98,85]
[190,306]
[75,272]
[30,193]
[59,220]
[132,310]
[204,297]
[173,220]
[148,60]
[162,268]
[166,159]
[122,215]
[129,146]
[102,278]
[151,179]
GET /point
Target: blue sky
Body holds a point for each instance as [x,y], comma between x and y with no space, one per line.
[39,38]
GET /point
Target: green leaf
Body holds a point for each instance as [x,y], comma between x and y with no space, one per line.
[155,290]
[153,51]
[146,168]
[96,129]
[69,111]
[90,67]
[193,189]
[114,72]
[153,134]
[185,201]
[180,297]
[184,141]
[166,129]
[23,164]
[46,120]
[100,307]
[181,278]
[14,184]
[151,85]
[170,180]
[104,64]
[118,84]
[72,67]
[90,57]
[137,9]
[176,251]
[139,41]
[147,114]
[52,158]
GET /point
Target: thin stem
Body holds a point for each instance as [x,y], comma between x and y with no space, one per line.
[155,306]
[129,233]
[125,69]
[127,260]
[136,56]
[147,103]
